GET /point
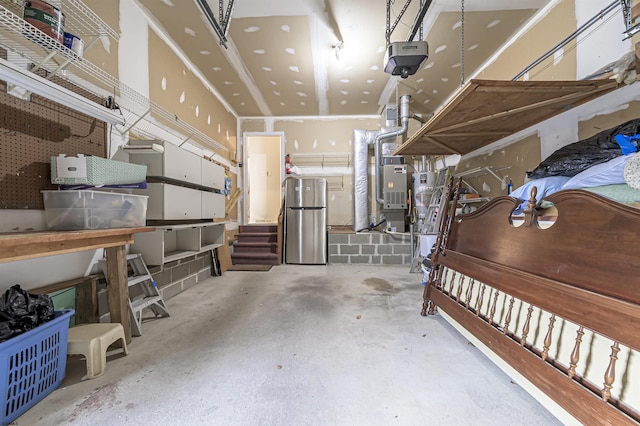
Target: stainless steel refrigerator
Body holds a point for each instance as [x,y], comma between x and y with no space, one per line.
[306,221]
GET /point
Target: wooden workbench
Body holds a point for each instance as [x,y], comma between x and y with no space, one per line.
[31,245]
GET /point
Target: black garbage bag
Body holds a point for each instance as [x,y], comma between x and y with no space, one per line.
[578,156]
[21,311]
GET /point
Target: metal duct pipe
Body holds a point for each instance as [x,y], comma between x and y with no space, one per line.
[404,116]
[361,141]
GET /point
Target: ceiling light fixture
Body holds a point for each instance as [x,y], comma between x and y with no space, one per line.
[47,89]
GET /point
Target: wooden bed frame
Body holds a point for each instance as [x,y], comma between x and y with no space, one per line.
[490,277]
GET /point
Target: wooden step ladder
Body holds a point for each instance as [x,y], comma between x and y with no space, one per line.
[143,292]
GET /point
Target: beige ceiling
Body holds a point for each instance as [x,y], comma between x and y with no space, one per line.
[280,60]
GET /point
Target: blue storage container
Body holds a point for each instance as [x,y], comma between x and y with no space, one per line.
[32,365]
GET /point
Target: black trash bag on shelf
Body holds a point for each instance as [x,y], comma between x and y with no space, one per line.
[579,156]
[21,311]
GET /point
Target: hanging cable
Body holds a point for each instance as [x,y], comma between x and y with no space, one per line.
[421,22]
[461,42]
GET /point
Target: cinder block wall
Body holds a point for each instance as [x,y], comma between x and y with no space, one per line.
[175,277]
[171,278]
[371,248]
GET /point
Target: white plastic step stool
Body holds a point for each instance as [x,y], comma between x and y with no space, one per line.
[143,292]
[92,341]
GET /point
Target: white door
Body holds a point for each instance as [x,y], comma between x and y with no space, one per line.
[264,174]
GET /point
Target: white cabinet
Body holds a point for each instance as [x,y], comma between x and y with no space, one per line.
[212,175]
[174,163]
[212,205]
[173,242]
[172,202]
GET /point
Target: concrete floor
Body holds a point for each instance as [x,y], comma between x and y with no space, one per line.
[298,345]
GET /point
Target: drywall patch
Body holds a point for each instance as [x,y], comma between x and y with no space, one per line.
[209,119]
[473,47]
[343,102]
[197,111]
[440,49]
[189,31]
[333,142]
[294,68]
[251,29]
[370,81]
[163,83]
[344,92]
[493,23]
[485,187]
[444,79]
[216,69]
[275,92]
[290,50]
[273,83]
[205,52]
[344,81]
[296,144]
[168,2]
[183,96]
[286,28]
[456,25]
[259,51]
[381,49]
[267,69]
[375,68]
[106,43]
[314,145]
[557,56]
[429,65]
[301,94]
[298,82]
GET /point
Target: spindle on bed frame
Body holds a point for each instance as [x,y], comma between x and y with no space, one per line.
[479,286]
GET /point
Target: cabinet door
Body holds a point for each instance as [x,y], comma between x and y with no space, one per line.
[212,175]
[181,164]
[171,202]
[212,205]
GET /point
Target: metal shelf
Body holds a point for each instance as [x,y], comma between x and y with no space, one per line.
[32,49]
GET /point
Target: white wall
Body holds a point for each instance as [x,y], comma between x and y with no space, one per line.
[602,43]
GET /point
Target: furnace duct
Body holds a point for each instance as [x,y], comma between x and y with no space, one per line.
[404,114]
[362,139]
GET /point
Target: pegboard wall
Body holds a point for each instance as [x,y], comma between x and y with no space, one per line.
[31,132]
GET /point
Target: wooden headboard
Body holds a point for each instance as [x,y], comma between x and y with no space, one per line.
[508,285]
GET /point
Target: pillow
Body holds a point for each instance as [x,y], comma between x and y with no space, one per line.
[546,186]
[632,172]
[609,173]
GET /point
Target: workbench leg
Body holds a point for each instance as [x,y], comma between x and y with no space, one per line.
[118,288]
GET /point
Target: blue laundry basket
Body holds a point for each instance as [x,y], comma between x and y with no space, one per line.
[32,365]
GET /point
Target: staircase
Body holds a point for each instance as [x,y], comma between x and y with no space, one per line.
[256,245]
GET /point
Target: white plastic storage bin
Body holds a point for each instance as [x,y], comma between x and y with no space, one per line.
[91,170]
[70,210]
